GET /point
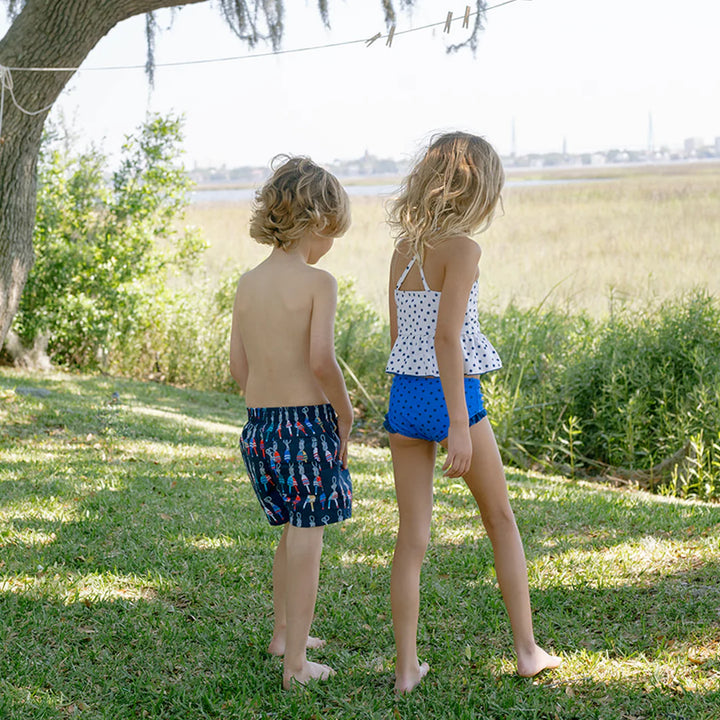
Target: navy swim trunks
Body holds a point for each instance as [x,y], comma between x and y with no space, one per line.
[417,407]
[291,456]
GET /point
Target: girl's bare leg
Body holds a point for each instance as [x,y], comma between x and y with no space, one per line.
[413,466]
[486,480]
[303,547]
[277,644]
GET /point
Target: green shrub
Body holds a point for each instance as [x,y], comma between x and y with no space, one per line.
[651,384]
[527,400]
[181,337]
[625,394]
[362,346]
[104,249]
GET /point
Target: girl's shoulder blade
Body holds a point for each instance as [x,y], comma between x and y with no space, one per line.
[459,249]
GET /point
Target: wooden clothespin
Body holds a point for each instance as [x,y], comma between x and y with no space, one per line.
[466,19]
[371,40]
[390,37]
[448,22]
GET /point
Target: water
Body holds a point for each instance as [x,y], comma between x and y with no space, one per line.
[244,194]
[248,193]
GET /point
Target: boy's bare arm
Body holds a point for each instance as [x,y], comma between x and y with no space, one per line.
[238,359]
[323,363]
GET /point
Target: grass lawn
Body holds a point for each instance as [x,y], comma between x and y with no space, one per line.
[135,579]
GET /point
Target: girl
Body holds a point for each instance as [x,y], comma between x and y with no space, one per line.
[438,354]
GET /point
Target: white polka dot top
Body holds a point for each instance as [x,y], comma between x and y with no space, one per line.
[414,350]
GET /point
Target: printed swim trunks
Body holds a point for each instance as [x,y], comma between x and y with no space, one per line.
[291,456]
[417,407]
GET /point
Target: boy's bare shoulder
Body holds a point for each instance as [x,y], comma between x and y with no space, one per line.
[321,279]
[245,283]
[249,275]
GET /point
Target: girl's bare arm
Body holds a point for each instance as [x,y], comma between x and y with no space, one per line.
[394,275]
[461,257]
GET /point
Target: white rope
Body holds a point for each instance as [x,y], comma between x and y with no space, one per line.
[4,74]
[6,83]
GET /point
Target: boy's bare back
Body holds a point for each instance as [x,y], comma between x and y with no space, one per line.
[284,310]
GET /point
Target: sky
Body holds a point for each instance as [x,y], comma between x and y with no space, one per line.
[547,73]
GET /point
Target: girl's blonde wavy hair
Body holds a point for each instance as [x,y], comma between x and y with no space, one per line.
[299,197]
[453,189]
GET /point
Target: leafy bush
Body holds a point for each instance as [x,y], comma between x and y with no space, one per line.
[362,346]
[634,395]
[182,337]
[527,399]
[651,384]
[103,249]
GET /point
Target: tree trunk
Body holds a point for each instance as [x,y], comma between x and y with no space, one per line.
[47,33]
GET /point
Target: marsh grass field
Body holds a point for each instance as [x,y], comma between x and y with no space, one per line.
[135,579]
[589,240]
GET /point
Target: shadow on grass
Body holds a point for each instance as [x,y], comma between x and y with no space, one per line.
[135,580]
[83,404]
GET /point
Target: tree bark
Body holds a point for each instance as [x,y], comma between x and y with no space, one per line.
[46,33]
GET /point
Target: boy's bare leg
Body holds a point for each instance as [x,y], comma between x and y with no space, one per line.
[277,644]
[303,547]
[486,480]
[413,465]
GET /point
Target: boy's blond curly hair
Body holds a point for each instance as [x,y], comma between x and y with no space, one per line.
[453,189]
[300,197]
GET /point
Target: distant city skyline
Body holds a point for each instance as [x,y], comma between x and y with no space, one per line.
[384,171]
[685,145]
[548,75]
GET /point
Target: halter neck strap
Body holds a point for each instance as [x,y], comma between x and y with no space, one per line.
[402,277]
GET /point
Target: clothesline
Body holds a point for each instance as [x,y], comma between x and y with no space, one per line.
[6,79]
[393,33]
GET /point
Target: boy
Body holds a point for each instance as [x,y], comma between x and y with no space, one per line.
[299,414]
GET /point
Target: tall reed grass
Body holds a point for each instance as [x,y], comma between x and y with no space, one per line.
[635,396]
[622,238]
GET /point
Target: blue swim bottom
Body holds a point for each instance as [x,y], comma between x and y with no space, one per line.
[417,407]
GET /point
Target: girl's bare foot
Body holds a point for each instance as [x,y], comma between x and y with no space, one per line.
[536,661]
[309,671]
[277,645]
[407,683]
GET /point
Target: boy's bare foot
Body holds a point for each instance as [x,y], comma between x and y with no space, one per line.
[309,671]
[406,684]
[536,661]
[277,645]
